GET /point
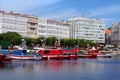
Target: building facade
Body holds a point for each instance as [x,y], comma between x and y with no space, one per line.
[108,33]
[13,22]
[32,25]
[115,36]
[42,27]
[87,28]
[53,28]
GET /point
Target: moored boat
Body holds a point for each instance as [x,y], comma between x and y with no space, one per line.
[104,54]
[87,54]
[58,54]
[3,56]
[23,55]
[109,55]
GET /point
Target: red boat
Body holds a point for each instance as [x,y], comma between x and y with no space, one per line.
[3,55]
[90,54]
[4,58]
[87,56]
[58,54]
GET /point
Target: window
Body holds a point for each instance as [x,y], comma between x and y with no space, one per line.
[32,28]
[47,51]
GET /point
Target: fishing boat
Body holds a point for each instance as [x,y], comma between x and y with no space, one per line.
[91,53]
[23,55]
[3,56]
[58,54]
[104,54]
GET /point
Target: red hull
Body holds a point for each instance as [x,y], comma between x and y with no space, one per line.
[6,59]
[59,57]
[87,56]
[3,58]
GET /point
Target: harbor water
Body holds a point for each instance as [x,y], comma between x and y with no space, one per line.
[80,69]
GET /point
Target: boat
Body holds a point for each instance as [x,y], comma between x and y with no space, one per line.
[23,55]
[88,54]
[3,56]
[57,54]
[104,54]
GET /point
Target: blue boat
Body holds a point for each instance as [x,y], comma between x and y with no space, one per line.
[23,55]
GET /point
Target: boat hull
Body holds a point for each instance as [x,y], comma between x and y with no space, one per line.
[25,57]
[4,58]
[104,55]
[86,56]
[59,57]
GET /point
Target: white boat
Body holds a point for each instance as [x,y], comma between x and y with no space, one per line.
[109,55]
[25,57]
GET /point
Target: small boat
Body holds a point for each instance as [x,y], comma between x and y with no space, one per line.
[3,56]
[104,55]
[23,55]
[86,54]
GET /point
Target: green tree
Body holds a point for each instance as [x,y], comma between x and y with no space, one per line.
[63,43]
[31,42]
[50,41]
[40,40]
[13,37]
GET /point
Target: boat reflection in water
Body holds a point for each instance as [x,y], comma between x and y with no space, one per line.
[80,69]
[54,65]
[1,65]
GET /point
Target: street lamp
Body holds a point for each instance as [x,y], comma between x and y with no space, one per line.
[23,44]
[42,43]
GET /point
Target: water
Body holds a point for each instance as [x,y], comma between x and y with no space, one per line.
[81,69]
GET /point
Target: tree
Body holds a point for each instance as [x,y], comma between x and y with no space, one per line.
[41,40]
[51,41]
[31,42]
[13,37]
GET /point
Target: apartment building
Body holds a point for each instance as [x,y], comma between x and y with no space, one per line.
[115,36]
[108,33]
[53,28]
[42,27]
[32,25]
[87,28]
[13,22]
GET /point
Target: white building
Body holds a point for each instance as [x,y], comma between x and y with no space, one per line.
[53,28]
[87,28]
[42,27]
[32,26]
[115,36]
[13,22]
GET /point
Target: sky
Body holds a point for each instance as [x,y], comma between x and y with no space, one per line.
[106,10]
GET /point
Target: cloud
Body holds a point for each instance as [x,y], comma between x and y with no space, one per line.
[22,5]
[105,10]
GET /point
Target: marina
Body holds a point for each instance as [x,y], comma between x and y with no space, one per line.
[59,40]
